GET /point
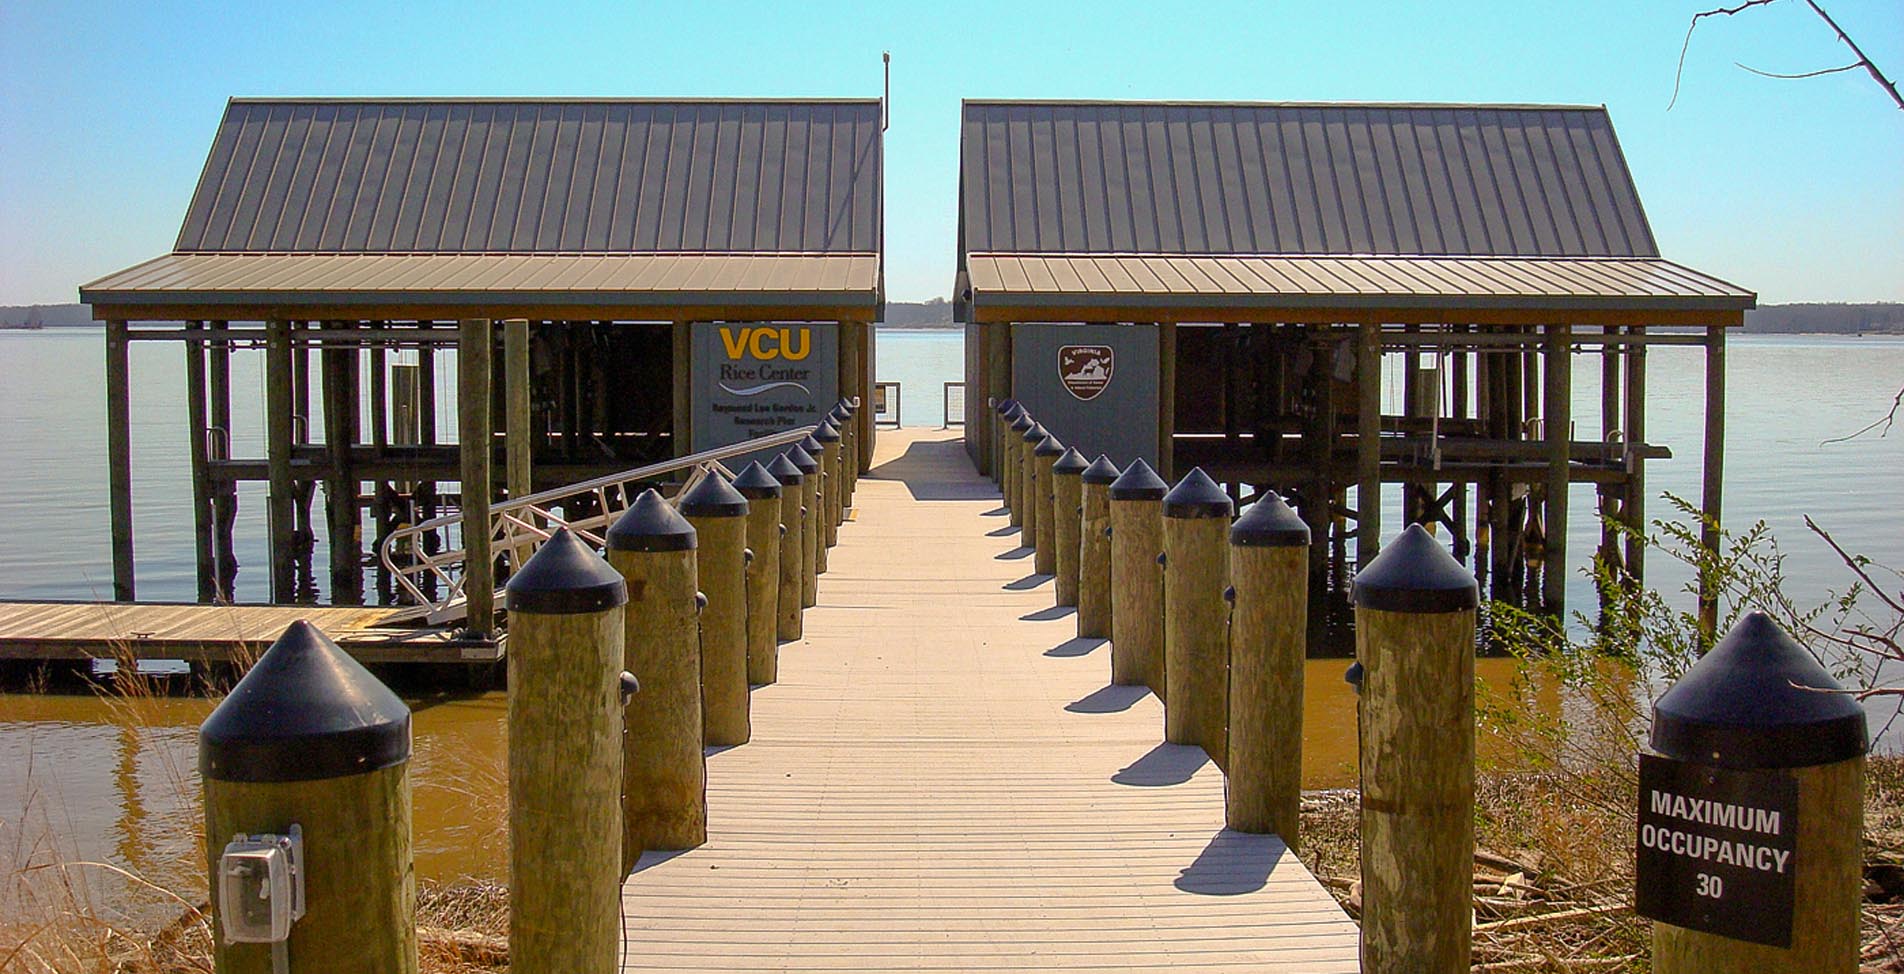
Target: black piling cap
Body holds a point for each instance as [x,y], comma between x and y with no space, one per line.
[1048,446]
[565,577]
[712,497]
[1101,471]
[1138,483]
[1015,413]
[847,407]
[1071,463]
[1415,574]
[1269,523]
[651,524]
[1005,406]
[812,447]
[1196,495]
[1758,700]
[802,458]
[1035,433]
[305,712]
[1023,423]
[785,471]
[827,433]
[757,482]
[837,416]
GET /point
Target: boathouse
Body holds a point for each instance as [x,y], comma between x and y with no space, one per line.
[579,255]
[1235,276]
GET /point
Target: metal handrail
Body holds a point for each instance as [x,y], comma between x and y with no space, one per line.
[520,525]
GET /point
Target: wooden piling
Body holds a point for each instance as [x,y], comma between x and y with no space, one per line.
[280,517]
[1558,425]
[1029,489]
[719,515]
[1634,507]
[1712,477]
[1269,572]
[343,516]
[811,550]
[1012,454]
[762,491]
[518,438]
[224,492]
[1137,583]
[1044,456]
[475,436]
[1414,637]
[196,430]
[1368,444]
[1094,549]
[789,621]
[1067,505]
[832,463]
[1196,521]
[664,772]
[565,727]
[1759,706]
[309,738]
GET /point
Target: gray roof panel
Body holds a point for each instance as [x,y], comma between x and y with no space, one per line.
[1175,178]
[540,176]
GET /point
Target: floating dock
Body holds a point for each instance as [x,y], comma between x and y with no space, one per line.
[942,779]
[218,633]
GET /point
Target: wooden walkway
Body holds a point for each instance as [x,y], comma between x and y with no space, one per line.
[943,781]
[156,630]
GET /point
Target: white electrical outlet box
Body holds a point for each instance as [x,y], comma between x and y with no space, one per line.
[261,887]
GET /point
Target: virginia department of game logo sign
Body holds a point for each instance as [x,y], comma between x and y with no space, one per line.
[1085,369]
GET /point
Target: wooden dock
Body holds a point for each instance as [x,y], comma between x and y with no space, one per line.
[942,780]
[187,631]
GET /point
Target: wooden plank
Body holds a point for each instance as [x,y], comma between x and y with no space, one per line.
[917,796]
[91,630]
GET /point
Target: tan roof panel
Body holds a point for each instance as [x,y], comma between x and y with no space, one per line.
[1246,281]
[570,280]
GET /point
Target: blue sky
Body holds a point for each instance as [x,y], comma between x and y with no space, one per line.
[1793,188]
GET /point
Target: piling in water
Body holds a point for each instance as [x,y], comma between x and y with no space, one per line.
[1196,520]
[565,726]
[664,775]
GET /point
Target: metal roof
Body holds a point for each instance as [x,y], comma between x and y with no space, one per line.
[1287,179]
[1532,285]
[540,176]
[619,281]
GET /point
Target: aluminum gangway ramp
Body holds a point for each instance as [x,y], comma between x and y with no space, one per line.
[942,780]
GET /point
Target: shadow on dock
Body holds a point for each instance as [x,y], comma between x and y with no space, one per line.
[936,470]
[1108,700]
[1232,864]
[1165,764]
[1080,646]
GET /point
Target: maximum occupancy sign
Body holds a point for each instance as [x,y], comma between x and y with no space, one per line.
[1716,849]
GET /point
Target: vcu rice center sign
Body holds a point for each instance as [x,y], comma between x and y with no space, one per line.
[755,379]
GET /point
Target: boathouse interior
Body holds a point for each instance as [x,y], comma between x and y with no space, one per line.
[1280,254]
[561,250]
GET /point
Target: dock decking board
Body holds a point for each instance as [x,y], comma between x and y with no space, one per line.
[151,630]
[918,797]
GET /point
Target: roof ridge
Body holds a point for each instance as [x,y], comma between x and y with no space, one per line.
[1248,103]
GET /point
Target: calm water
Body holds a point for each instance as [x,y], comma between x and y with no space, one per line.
[114,792]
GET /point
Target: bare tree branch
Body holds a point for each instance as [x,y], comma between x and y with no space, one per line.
[1853,66]
[1885,421]
[1883,82]
[1683,48]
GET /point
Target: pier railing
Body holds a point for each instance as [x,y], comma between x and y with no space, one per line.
[519,526]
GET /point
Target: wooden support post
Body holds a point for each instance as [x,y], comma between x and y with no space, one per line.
[1368,444]
[1044,456]
[340,774]
[683,401]
[790,622]
[337,368]
[474,346]
[1067,505]
[999,383]
[719,515]
[1269,617]
[1094,554]
[664,770]
[1635,506]
[277,426]
[1414,636]
[812,549]
[1558,427]
[762,490]
[196,422]
[119,457]
[1166,399]
[1712,479]
[518,438]
[423,493]
[1808,736]
[225,493]
[1196,519]
[1028,487]
[1137,584]
[1011,453]
[850,363]
[566,698]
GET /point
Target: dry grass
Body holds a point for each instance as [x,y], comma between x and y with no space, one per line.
[1554,873]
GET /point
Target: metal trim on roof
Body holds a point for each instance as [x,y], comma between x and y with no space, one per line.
[1345,282]
[540,176]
